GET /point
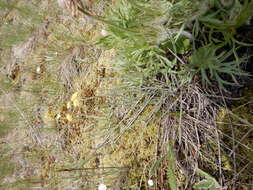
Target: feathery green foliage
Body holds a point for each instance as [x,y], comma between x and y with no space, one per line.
[137,33]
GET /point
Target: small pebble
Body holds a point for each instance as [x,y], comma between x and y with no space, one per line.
[38,69]
[58,116]
[102,187]
[150,182]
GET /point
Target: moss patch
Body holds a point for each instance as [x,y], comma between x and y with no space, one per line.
[237,135]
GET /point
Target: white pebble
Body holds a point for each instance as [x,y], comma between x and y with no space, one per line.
[38,69]
[150,182]
[58,116]
[102,187]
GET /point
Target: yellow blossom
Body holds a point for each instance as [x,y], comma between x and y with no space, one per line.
[69,117]
[74,96]
[76,103]
[69,105]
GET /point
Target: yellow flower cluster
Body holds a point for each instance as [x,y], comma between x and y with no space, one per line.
[69,117]
[75,101]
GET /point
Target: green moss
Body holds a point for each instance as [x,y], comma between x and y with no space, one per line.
[237,135]
[136,148]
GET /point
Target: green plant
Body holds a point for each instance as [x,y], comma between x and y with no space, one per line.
[223,19]
[212,66]
[148,49]
[171,177]
[209,183]
[231,14]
